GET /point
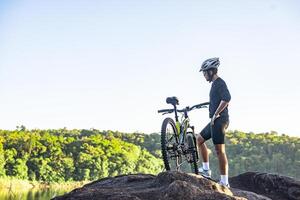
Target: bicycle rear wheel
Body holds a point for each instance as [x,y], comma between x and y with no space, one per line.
[169,145]
[193,153]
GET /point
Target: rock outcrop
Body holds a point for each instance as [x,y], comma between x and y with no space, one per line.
[179,186]
[271,185]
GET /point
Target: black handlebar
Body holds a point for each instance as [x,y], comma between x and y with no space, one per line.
[166,110]
[186,109]
[201,105]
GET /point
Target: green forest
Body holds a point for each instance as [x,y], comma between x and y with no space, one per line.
[75,155]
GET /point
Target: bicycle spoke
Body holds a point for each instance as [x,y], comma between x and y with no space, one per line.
[182,163]
[171,138]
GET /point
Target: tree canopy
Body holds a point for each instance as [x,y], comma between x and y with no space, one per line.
[75,155]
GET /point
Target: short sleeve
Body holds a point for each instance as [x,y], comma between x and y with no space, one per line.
[224,92]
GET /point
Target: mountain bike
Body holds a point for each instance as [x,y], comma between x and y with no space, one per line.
[178,141]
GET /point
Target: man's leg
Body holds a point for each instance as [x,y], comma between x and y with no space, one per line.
[203,149]
[219,141]
[223,164]
[204,135]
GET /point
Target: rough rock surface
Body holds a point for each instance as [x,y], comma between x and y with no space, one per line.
[272,185]
[176,185]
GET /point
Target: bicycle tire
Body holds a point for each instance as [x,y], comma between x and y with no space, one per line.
[166,144]
[193,153]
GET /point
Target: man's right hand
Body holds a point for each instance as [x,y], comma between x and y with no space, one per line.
[213,119]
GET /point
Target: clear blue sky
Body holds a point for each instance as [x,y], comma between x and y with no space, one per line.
[111,64]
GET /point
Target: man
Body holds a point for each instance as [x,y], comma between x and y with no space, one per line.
[218,112]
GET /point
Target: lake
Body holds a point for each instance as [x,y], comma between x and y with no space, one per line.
[34,194]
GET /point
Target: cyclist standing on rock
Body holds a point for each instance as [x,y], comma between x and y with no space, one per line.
[218,112]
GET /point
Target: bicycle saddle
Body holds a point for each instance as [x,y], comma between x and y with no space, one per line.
[172,100]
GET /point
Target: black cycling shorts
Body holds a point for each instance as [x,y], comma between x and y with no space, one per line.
[216,132]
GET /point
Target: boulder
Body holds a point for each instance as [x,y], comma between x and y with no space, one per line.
[178,186]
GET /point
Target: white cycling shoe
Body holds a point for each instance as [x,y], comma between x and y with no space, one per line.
[205,173]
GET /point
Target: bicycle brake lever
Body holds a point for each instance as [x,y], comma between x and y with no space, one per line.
[202,107]
[167,113]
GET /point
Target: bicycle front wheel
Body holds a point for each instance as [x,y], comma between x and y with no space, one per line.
[169,145]
[193,153]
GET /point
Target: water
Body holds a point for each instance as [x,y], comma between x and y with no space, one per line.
[41,194]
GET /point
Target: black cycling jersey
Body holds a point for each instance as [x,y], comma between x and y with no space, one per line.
[218,92]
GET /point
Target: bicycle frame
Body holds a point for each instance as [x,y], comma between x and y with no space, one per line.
[182,126]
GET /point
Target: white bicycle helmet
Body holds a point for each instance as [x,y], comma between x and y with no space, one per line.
[210,63]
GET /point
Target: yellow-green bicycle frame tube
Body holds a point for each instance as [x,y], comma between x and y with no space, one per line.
[178,127]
